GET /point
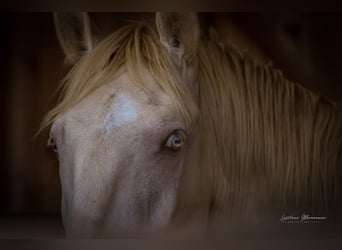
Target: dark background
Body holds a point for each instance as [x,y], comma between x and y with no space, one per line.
[305,46]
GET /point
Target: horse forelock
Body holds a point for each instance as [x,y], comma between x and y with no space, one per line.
[135,48]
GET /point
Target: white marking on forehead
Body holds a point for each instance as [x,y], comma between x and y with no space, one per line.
[122,111]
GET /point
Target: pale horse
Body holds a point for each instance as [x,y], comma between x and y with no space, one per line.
[162,129]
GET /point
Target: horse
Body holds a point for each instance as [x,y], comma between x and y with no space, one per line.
[162,127]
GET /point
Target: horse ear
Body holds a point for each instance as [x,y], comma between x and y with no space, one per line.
[179,33]
[74,33]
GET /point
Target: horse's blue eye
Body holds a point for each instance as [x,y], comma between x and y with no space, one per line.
[175,141]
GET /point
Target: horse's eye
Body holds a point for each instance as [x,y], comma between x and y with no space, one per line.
[52,144]
[175,141]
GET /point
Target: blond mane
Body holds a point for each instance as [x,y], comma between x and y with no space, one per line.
[266,142]
[277,145]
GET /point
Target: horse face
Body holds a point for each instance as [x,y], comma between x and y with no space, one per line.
[121,155]
[122,151]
